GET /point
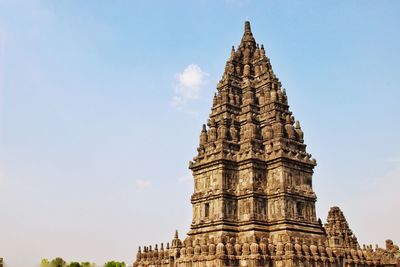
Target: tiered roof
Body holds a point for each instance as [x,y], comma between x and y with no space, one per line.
[250,114]
[338,231]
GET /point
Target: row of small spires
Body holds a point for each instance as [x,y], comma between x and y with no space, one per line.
[255,65]
[315,249]
[280,117]
[228,96]
[265,133]
[259,52]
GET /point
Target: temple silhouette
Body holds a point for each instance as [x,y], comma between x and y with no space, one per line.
[253,201]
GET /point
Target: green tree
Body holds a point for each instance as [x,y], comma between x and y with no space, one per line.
[87,264]
[45,263]
[115,264]
[74,264]
[58,262]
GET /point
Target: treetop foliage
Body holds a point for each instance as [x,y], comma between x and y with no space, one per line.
[59,262]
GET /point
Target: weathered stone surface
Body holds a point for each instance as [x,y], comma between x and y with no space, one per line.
[253,202]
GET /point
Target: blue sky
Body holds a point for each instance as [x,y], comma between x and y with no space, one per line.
[102,102]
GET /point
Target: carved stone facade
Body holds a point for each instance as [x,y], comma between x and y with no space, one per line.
[253,202]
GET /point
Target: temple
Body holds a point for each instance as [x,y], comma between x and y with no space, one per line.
[253,201]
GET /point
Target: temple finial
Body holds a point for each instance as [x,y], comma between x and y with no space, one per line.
[248,39]
[176,234]
[247,27]
[203,141]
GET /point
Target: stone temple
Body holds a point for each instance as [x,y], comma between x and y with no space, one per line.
[253,201]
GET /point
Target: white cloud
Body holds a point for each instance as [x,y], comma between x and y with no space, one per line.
[143,183]
[188,85]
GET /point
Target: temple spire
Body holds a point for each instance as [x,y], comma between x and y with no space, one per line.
[248,36]
[253,192]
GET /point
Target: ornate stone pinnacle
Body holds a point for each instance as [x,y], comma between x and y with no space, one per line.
[247,27]
[176,234]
